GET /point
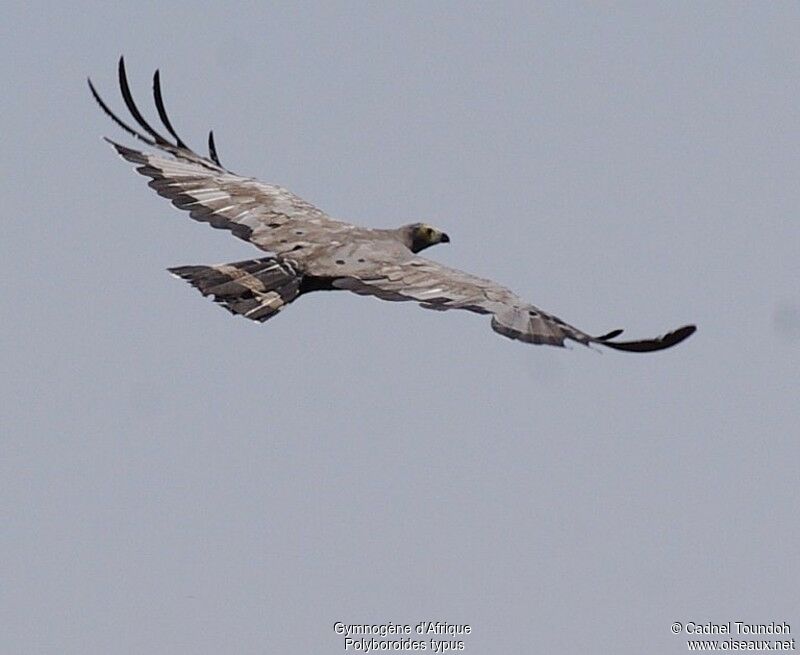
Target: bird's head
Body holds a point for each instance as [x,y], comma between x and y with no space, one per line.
[418,236]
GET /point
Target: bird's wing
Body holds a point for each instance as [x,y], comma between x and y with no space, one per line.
[435,286]
[270,217]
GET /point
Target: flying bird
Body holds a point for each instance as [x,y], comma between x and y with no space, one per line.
[310,251]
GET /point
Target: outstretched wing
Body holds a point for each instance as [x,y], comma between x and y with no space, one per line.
[435,286]
[270,217]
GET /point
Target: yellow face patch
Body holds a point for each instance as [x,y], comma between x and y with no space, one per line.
[424,235]
[428,234]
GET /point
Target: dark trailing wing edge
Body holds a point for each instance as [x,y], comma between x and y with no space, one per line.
[153,138]
[648,345]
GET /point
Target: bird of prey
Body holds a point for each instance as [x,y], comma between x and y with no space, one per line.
[310,251]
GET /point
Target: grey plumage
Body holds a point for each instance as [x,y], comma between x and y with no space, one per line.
[310,251]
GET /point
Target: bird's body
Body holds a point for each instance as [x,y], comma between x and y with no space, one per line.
[310,251]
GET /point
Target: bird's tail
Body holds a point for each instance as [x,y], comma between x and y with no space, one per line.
[256,289]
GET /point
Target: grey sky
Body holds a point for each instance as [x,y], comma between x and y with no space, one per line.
[176,480]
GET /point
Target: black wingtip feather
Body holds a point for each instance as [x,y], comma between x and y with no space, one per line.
[155,139]
[659,343]
[212,149]
[117,119]
[137,115]
[162,111]
[611,335]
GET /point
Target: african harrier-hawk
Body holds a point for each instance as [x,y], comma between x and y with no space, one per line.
[310,251]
